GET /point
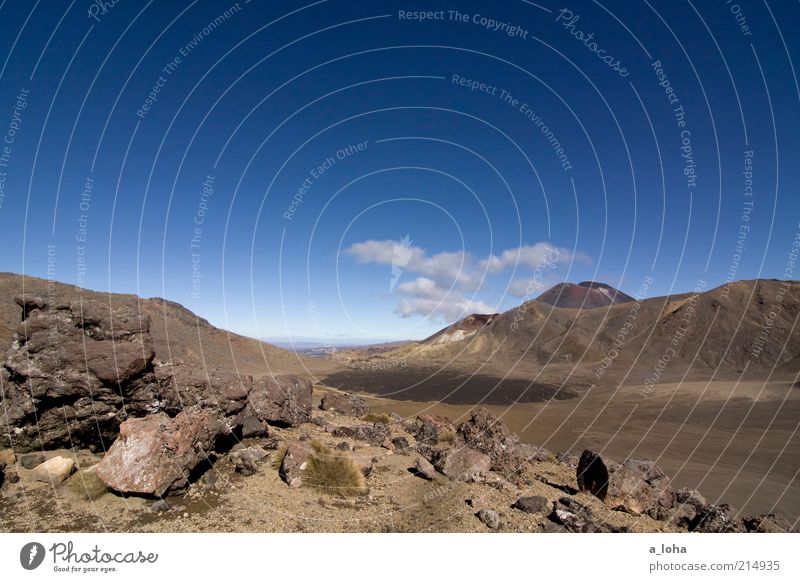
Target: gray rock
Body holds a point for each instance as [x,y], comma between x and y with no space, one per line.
[400,444]
[345,403]
[252,427]
[281,399]
[371,433]
[532,504]
[246,460]
[160,505]
[640,487]
[294,463]
[31,460]
[489,517]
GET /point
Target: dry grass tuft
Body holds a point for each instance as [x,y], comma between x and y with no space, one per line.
[278,455]
[333,472]
[381,418]
[86,485]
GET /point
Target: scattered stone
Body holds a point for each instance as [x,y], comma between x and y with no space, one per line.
[282,399]
[272,443]
[532,504]
[767,523]
[246,460]
[387,444]
[2,473]
[252,427]
[160,505]
[573,515]
[155,454]
[462,464]
[489,517]
[373,434]
[567,458]
[54,470]
[719,519]
[7,457]
[640,487]
[294,463]
[592,474]
[345,403]
[400,445]
[343,446]
[569,520]
[424,469]
[31,460]
[210,478]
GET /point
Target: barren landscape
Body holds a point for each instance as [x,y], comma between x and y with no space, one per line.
[485,424]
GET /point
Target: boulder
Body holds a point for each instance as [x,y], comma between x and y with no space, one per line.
[69,371]
[532,504]
[573,515]
[592,474]
[157,453]
[462,464]
[424,469]
[31,460]
[294,463]
[400,444]
[54,470]
[489,517]
[487,434]
[246,461]
[345,403]
[371,433]
[284,399]
[688,508]
[640,487]
[428,428]
[252,427]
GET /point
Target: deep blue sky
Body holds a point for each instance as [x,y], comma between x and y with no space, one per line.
[394,240]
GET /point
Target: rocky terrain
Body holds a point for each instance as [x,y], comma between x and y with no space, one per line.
[335,467]
[113,422]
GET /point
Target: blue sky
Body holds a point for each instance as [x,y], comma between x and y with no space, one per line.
[348,172]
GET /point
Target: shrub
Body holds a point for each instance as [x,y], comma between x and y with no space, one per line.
[381,418]
[86,485]
[333,472]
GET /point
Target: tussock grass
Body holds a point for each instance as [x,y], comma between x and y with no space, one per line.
[86,485]
[447,436]
[276,460]
[381,418]
[333,472]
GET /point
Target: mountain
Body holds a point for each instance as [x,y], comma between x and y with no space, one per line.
[586,295]
[744,327]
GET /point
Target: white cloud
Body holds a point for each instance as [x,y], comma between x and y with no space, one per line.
[445,278]
[539,255]
[430,300]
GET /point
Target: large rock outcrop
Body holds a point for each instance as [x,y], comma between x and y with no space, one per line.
[72,371]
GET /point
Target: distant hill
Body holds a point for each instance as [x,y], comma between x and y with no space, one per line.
[178,334]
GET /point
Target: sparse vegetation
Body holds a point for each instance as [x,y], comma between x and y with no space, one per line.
[333,472]
[86,485]
[277,457]
[446,436]
[381,418]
